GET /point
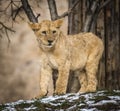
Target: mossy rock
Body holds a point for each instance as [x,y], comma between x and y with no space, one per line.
[97,101]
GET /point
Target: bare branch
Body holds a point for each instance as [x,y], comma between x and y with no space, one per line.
[53,10]
[17,12]
[92,17]
[69,10]
[104,4]
[29,11]
[89,18]
[6,29]
[38,15]
[7,6]
[15,8]
[7,36]
[97,13]
[74,5]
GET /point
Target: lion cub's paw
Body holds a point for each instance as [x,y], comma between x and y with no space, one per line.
[82,90]
[59,92]
[90,88]
[41,95]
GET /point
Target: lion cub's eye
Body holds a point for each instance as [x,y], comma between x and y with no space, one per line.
[54,31]
[35,30]
[44,32]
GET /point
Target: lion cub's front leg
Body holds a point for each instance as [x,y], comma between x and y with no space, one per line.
[61,84]
[45,77]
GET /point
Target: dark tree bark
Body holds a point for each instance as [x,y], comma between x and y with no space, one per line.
[74,18]
[53,9]
[29,11]
[112,47]
[90,13]
[93,9]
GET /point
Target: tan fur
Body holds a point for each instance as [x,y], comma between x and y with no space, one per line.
[80,53]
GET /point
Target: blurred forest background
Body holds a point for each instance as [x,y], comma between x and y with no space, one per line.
[19,52]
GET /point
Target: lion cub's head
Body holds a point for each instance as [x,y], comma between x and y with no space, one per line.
[47,32]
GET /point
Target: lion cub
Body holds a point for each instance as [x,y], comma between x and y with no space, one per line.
[80,53]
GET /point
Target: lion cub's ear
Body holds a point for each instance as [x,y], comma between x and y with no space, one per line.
[34,26]
[58,23]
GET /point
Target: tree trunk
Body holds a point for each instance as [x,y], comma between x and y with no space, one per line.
[53,9]
[100,32]
[112,47]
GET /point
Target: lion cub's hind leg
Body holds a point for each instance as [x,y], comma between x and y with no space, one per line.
[91,70]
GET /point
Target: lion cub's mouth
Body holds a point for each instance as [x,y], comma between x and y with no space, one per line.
[49,44]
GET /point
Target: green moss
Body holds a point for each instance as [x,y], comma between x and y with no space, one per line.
[2,107]
[71,101]
[107,107]
[99,98]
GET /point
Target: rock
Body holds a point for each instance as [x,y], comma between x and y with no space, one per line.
[97,101]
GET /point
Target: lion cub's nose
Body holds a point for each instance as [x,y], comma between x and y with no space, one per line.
[50,42]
